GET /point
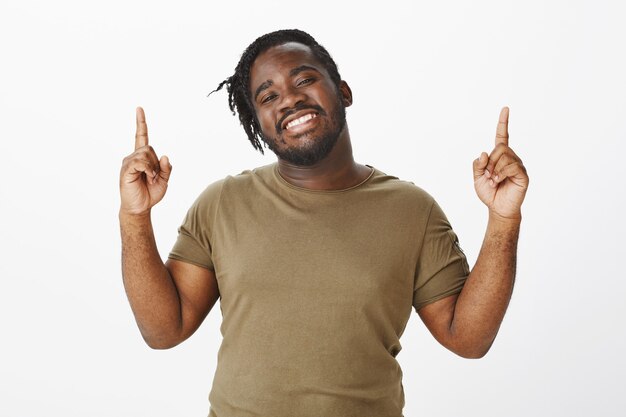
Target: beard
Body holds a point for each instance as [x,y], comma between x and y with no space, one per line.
[314,149]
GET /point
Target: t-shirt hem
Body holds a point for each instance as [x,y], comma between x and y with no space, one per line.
[438,297]
[190,261]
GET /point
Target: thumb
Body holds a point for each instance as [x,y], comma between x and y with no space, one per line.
[480,165]
[165,168]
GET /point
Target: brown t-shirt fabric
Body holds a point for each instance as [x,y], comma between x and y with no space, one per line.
[316,288]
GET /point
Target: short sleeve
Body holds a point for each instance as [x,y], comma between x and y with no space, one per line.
[442,267]
[194,242]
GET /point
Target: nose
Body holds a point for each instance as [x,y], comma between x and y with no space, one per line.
[291,98]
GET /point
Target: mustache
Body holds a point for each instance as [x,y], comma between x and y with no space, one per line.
[279,124]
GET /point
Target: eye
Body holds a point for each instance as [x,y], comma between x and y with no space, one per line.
[305,81]
[268,98]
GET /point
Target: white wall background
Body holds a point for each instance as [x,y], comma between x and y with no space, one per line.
[429,79]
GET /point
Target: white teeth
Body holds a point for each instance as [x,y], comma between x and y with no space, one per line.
[300,120]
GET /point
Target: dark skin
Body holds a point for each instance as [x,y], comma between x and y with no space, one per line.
[309,87]
[170,300]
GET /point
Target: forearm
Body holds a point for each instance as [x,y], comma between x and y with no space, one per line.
[482,303]
[150,289]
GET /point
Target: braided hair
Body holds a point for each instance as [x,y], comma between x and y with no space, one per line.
[238,84]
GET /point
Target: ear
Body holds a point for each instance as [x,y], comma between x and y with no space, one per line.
[346,93]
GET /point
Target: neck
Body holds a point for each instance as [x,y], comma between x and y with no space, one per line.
[335,172]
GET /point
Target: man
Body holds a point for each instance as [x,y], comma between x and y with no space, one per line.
[317,260]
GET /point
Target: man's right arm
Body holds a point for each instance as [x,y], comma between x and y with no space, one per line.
[169,300]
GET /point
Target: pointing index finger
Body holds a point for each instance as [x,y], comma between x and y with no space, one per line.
[141,137]
[502,131]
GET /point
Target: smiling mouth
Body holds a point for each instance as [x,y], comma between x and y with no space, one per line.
[300,120]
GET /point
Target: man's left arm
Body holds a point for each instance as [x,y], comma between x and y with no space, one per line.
[467,323]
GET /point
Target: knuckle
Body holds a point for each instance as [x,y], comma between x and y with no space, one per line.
[516,168]
[128,161]
[143,153]
[134,157]
[138,162]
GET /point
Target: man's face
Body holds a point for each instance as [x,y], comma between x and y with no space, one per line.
[300,110]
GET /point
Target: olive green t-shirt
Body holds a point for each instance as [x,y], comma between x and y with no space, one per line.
[316,288]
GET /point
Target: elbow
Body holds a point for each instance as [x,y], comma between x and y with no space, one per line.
[472,353]
[160,343]
[161,337]
[472,349]
[160,346]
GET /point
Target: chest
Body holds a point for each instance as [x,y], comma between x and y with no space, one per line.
[264,250]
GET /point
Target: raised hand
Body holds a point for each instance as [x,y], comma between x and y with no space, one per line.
[143,177]
[500,178]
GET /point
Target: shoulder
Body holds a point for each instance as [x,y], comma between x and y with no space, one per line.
[235,184]
[397,188]
[211,193]
[249,178]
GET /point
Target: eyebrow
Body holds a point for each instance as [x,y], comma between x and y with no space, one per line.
[264,86]
[295,71]
[298,70]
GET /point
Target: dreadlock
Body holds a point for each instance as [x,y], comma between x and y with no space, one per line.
[238,84]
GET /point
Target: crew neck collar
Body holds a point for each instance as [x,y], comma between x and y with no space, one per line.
[286,183]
